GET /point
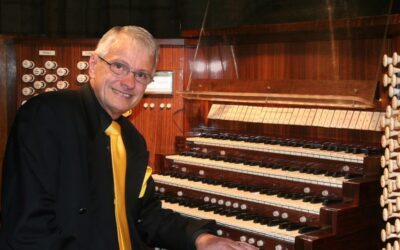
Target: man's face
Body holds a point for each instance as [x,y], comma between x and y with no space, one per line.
[118,94]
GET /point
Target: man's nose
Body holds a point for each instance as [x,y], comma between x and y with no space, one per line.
[129,80]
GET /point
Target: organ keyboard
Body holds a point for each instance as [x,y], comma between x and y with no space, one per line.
[291,174]
[258,228]
[256,197]
[306,152]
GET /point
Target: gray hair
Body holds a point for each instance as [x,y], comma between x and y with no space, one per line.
[136,33]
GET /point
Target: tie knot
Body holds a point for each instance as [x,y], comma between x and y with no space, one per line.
[113,129]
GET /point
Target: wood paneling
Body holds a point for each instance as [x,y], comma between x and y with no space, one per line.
[7,92]
[160,126]
[313,60]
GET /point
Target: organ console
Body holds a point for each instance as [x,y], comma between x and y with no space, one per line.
[296,163]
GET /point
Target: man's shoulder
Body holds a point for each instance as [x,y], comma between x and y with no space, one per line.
[57,97]
[52,99]
[50,105]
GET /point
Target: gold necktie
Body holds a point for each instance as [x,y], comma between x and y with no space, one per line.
[118,157]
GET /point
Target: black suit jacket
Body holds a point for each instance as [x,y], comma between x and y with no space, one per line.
[46,190]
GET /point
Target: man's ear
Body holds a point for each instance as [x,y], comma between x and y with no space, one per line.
[92,64]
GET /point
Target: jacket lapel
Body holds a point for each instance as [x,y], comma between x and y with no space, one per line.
[137,158]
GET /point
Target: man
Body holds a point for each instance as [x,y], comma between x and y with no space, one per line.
[61,188]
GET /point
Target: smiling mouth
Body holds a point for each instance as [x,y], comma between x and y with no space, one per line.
[125,95]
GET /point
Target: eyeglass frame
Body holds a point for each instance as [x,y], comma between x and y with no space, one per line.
[135,73]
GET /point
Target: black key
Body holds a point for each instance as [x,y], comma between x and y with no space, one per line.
[241,215]
[258,218]
[303,170]
[263,220]
[284,143]
[241,187]
[214,157]
[307,198]
[220,210]
[284,225]
[331,200]
[307,229]
[319,171]
[281,194]
[293,226]
[231,213]
[256,163]
[272,192]
[273,142]
[339,174]
[294,168]
[296,196]
[252,189]
[249,217]
[276,166]
[274,222]
[266,164]
[207,207]
[317,199]
[264,190]
[316,145]
[193,178]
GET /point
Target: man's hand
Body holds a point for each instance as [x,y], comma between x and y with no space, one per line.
[212,242]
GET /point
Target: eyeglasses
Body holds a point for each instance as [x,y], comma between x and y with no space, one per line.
[121,70]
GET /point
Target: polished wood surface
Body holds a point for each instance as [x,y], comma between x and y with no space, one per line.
[314,60]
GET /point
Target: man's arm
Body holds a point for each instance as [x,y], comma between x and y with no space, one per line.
[28,202]
[165,228]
